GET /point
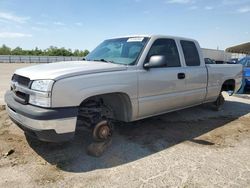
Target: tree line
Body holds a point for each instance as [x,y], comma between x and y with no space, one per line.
[51,51]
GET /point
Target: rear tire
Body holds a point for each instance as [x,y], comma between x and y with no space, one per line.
[219,102]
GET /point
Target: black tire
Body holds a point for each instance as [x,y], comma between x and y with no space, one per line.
[219,102]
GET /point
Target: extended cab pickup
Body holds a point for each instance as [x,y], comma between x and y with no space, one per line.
[123,79]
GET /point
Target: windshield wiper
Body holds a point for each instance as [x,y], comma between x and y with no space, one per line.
[103,60]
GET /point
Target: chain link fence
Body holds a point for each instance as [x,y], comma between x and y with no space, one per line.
[36,59]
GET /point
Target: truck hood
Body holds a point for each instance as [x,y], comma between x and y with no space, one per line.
[59,70]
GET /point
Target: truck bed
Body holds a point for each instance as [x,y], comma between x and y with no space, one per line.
[218,74]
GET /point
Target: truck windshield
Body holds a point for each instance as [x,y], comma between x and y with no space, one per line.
[120,51]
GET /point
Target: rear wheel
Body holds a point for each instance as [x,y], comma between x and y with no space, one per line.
[219,102]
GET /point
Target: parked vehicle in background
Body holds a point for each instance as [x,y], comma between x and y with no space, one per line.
[233,61]
[246,72]
[220,62]
[209,61]
[219,56]
[123,80]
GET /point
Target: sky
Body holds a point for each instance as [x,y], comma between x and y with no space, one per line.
[78,24]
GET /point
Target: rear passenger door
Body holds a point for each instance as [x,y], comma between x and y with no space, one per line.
[162,89]
[196,73]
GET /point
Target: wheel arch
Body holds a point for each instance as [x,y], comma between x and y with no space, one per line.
[228,85]
[120,103]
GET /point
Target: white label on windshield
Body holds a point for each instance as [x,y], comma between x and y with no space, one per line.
[135,39]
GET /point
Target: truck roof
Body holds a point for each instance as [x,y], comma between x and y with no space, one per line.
[155,36]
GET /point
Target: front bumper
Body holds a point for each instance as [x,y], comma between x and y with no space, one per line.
[52,125]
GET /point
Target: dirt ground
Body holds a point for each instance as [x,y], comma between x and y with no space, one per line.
[196,147]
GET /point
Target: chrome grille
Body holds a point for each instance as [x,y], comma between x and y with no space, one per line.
[21,80]
[17,82]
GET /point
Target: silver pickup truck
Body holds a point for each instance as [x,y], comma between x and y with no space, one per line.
[124,79]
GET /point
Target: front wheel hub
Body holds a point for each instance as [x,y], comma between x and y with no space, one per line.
[102,131]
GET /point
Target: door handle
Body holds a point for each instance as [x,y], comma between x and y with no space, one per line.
[181,76]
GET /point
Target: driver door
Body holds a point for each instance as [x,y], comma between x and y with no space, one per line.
[162,89]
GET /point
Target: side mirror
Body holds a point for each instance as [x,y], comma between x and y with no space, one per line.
[156,61]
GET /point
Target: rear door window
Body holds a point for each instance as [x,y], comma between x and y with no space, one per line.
[191,54]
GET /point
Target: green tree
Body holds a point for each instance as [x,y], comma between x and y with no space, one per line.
[17,51]
[5,50]
[84,53]
[51,51]
[37,51]
[76,52]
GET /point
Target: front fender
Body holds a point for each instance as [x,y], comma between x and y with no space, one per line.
[73,91]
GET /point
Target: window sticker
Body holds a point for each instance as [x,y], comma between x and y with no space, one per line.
[135,39]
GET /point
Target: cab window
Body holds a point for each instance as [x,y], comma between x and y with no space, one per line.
[190,52]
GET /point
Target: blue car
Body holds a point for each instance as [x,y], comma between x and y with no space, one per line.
[246,71]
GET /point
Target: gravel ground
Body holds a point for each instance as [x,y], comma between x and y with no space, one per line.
[196,147]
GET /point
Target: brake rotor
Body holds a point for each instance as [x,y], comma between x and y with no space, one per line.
[102,131]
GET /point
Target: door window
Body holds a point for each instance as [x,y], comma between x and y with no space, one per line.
[167,48]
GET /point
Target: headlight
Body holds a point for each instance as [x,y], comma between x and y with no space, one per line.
[41,96]
[42,85]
